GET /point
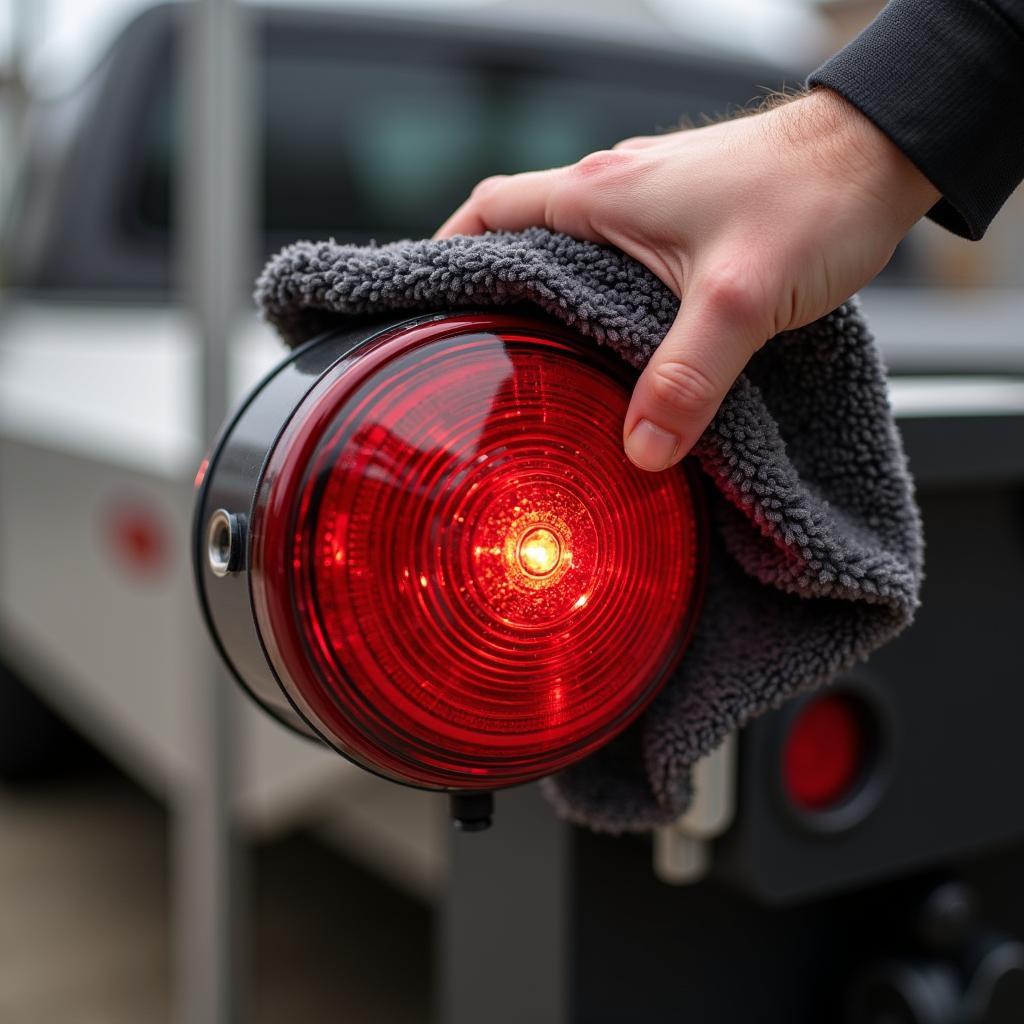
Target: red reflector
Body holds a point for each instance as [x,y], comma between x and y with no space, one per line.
[824,753]
[138,538]
[458,575]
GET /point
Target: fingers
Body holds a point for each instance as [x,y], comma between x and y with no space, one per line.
[720,326]
[509,203]
[566,199]
[724,318]
[464,221]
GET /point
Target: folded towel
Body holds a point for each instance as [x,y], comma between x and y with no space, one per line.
[816,542]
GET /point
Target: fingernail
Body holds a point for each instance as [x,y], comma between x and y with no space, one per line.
[650,447]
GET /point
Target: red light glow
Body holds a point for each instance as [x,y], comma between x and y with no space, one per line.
[823,757]
[460,578]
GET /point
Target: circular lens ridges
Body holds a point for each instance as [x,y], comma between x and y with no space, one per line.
[482,587]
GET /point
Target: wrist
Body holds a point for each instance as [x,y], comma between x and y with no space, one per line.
[849,147]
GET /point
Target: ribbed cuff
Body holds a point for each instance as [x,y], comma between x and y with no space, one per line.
[944,79]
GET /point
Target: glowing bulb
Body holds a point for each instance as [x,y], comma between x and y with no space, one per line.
[539,551]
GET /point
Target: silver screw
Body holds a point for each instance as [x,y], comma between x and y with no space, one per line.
[223,543]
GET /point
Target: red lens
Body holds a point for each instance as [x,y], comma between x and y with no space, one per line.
[825,752]
[461,580]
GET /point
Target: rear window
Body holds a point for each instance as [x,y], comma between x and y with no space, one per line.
[367,129]
[377,148]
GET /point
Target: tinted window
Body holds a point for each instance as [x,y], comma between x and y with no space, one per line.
[375,148]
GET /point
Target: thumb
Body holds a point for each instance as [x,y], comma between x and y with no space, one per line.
[720,325]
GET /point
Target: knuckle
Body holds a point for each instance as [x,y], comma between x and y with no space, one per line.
[732,289]
[682,387]
[606,163]
[486,187]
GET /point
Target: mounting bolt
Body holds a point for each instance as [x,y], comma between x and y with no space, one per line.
[224,543]
[471,812]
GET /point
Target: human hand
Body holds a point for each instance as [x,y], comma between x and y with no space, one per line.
[760,225]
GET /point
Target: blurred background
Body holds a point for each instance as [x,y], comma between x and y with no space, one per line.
[359,123]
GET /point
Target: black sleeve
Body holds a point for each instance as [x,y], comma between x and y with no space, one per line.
[944,79]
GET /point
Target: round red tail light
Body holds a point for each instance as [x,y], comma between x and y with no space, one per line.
[457,577]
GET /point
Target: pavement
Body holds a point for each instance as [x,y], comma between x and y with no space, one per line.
[84,919]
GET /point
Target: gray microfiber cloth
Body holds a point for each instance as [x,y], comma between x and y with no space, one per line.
[816,543]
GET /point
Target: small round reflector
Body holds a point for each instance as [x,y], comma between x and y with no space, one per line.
[825,752]
[459,578]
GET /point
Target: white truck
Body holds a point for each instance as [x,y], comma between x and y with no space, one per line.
[376,126]
[369,127]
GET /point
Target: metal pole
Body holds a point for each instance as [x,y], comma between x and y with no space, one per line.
[504,937]
[23,18]
[214,221]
